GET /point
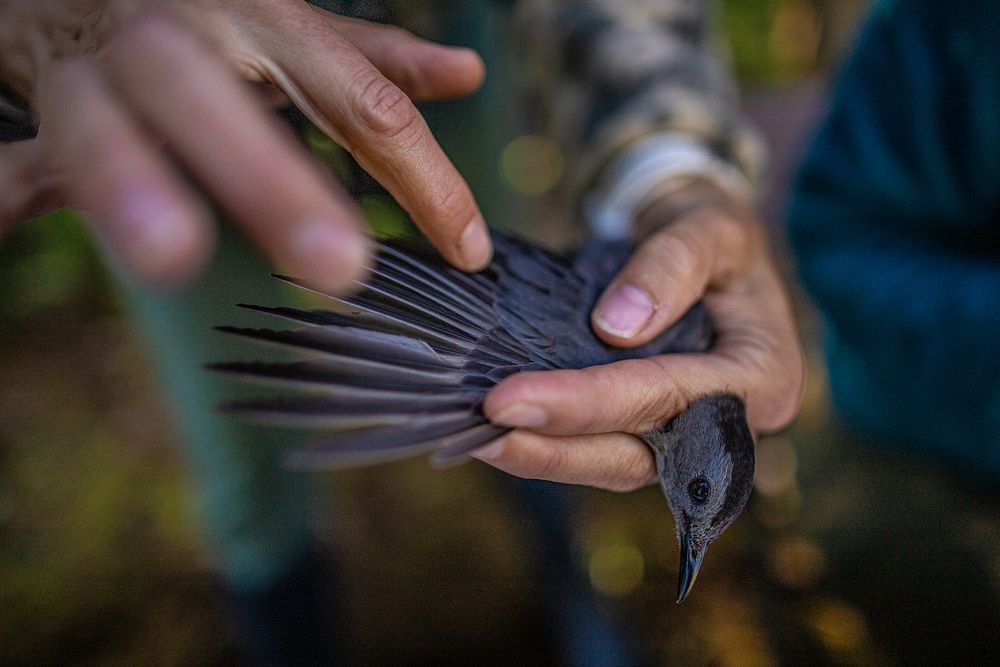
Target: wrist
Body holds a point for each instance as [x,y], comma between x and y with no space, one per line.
[652,168]
[697,195]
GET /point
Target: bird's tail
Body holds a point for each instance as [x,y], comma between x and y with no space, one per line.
[396,370]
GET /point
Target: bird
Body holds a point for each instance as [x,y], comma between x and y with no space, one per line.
[402,366]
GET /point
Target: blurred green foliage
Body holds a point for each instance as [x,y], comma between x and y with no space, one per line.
[49,262]
[783,41]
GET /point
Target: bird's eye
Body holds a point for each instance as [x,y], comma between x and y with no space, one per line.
[699,489]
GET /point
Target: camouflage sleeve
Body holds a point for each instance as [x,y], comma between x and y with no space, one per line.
[616,83]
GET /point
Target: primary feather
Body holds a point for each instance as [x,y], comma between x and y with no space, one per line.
[403,366]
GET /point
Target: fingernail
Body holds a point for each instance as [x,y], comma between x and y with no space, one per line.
[327,252]
[522,415]
[490,452]
[474,245]
[153,232]
[624,312]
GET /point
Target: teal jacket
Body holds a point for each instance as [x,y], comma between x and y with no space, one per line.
[895,221]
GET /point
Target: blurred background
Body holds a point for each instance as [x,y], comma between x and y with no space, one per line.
[845,556]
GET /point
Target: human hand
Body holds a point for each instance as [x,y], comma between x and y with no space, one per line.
[580,420]
[114,81]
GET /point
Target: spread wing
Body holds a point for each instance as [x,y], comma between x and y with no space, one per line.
[403,366]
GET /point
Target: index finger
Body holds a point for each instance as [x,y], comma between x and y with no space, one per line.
[635,395]
[350,100]
[186,95]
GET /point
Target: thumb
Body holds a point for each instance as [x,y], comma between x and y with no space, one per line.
[668,273]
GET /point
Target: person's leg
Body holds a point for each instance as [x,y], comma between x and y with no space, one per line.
[474,133]
[586,631]
[254,512]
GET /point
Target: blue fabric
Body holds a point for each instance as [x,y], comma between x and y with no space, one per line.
[895,221]
[254,512]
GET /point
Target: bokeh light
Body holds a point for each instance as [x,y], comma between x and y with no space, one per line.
[795,36]
[532,164]
[797,563]
[838,625]
[616,568]
[776,466]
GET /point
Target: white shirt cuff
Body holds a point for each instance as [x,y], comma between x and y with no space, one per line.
[645,170]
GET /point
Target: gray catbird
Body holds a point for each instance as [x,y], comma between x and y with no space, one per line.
[403,367]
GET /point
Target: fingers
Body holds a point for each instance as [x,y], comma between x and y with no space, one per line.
[756,354]
[162,79]
[632,396]
[353,102]
[641,394]
[612,461]
[755,330]
[667,274]
[108,168]
[212,124]
[422,69]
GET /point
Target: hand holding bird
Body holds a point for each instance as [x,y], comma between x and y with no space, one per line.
[409,369]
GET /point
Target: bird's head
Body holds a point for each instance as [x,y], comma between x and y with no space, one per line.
[705,460]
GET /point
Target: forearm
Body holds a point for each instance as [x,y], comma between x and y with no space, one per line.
[688,196]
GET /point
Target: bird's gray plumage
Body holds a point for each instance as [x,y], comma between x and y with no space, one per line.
[403,366]
[708,444]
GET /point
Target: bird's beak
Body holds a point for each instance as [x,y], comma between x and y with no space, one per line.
[690,564]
